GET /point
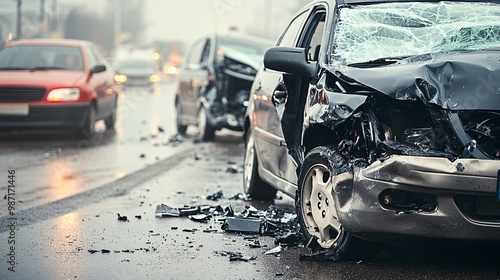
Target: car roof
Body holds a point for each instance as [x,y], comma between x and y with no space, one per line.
[389,1]
[342,2]
[244,38]
[58,42]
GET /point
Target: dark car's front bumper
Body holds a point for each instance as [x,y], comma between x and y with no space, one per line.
[48,116]
[458,198]
[227,120]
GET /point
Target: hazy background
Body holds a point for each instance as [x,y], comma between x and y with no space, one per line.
[112,22]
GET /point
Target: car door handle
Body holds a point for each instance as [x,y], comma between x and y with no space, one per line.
[279,97]
[258,87]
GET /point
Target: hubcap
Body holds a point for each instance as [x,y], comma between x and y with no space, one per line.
[318,209]
[248,164]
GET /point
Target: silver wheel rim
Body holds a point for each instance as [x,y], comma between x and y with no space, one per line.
[318,206]
[248,163]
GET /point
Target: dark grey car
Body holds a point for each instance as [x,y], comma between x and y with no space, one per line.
[382,119]
[214,82]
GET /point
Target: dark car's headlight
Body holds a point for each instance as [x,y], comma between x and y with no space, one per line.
[120,78]
[154,78]
[64,94]
[238,67]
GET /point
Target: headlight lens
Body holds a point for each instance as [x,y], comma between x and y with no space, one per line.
[120,79]
[154,78]
[64,94]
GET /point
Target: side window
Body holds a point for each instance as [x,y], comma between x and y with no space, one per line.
[287,39]
[313,34]
[92,56]
[205,55]
[196,54]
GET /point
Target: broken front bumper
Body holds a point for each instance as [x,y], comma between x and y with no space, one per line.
[421,197]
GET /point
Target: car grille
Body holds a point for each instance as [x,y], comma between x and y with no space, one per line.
[484,128]
[22,94]
[484,208]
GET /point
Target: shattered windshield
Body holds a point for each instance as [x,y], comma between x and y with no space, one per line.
[369,32]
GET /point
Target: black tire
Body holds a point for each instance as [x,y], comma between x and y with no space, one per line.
[316,209]
[181,128]
[111,119]
[253,185]
[88,128]
[205,130]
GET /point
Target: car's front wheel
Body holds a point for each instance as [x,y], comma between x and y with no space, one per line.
[181,128]
[88,128]
[111,119]
[316,209]
[205,130]
[253,185]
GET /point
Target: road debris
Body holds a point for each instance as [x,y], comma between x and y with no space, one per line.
[274,251]
[232,169]
[202,218]
[235,256]
[243,225]
[122,218]
[215,196]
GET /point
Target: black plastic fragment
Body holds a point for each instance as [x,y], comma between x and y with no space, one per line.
[215,196]
[232,169]
[122,218]
[240,257]
[321,256]
[291,239]
[228,211]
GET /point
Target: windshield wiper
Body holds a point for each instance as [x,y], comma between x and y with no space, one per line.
[14,68]
[46,68]
[31,68]
[378,62]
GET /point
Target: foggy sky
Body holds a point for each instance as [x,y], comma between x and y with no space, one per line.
[187,20]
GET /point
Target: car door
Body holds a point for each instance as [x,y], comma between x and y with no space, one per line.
[291,102]
[289,94]
[192,77]
[102,83]
[269,138]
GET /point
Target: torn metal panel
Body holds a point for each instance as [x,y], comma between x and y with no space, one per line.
[462,175]
[244,225]
[167,211]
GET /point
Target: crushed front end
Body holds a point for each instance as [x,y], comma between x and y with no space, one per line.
[412,104]
[229,98]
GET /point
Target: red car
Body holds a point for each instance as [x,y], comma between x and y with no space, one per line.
[55,83]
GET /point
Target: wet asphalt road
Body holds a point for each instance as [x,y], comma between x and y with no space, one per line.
[58,222]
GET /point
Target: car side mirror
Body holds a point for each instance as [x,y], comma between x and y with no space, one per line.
[98,69]
[289,60]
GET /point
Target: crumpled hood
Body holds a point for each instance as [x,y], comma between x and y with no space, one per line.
[455,81]
[252,60]
[41,77]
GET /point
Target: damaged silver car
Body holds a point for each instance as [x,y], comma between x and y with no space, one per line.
[214,82]
[382,119]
